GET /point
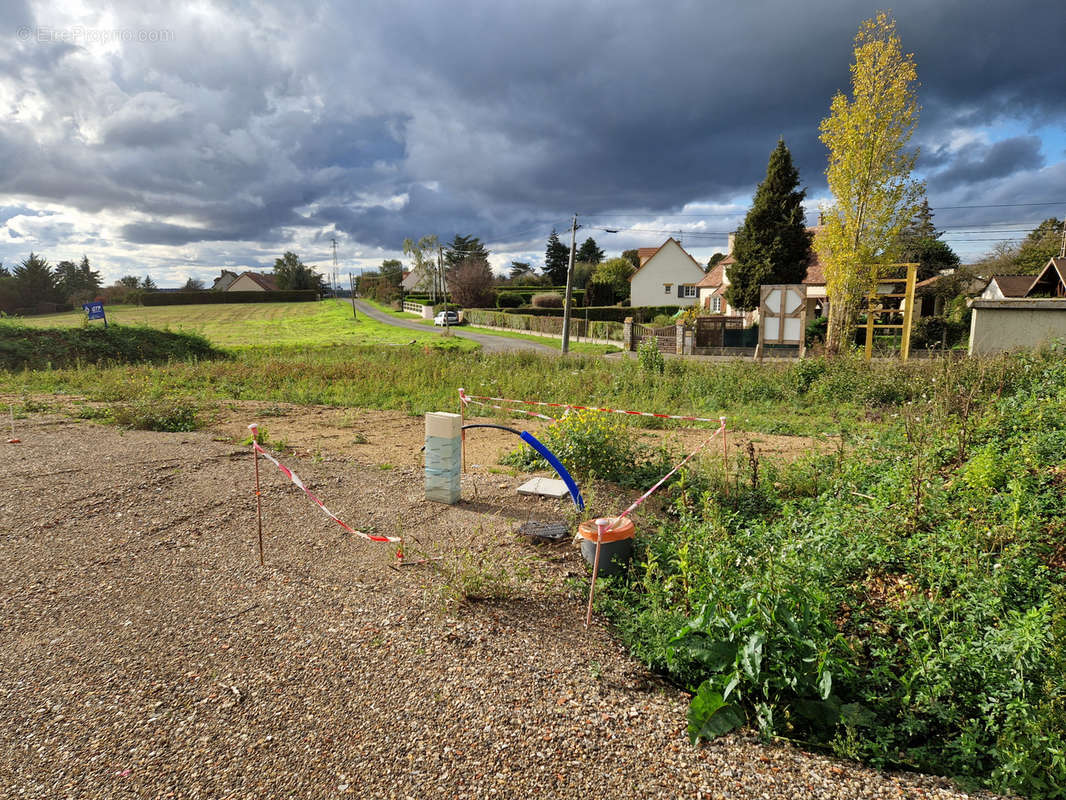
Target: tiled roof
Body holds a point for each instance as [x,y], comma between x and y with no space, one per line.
[266,281]
[1014,285]
[654,250]
[714,277]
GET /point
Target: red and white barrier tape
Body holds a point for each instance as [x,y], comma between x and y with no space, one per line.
[666,477]
[468,401]
[469,398]
[292,476]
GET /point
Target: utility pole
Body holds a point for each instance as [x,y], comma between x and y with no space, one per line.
[1062,250]
[443,287]
[335,267]
[569,287]
[351,283]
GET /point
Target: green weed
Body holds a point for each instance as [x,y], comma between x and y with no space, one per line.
[903,603]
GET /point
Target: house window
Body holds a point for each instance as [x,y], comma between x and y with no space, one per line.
[667,287]
[690,291]
[716,304]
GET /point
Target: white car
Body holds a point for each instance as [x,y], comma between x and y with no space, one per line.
[446,318]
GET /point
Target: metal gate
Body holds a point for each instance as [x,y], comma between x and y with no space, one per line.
[710,331]
[665,338]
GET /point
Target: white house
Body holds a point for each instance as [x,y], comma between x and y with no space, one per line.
[667,276]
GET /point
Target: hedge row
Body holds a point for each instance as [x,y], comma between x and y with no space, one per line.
[540,323]
[525,292]
[22,347]
[598,313]
[196,298]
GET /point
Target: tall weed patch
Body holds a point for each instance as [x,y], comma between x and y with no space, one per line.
[596,445]
[907,608]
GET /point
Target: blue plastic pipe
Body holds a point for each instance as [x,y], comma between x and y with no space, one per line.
[549,456]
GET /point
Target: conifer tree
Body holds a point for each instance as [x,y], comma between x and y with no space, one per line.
[589,252]
[556,259]
[773,245]
[463,248]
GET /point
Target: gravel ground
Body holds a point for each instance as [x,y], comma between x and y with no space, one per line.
[145,653]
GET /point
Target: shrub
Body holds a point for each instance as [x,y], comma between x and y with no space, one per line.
[594,444]
[649,357]
[548,300]
[816,330]
[22,347]
[509,300]
[172,415]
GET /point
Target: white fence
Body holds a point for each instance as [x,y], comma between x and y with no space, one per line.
[426,312]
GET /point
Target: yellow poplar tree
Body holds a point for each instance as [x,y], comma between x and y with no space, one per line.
[869,171]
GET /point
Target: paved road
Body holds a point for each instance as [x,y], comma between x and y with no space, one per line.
[489,343]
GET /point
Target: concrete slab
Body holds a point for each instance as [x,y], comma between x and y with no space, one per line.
[546,487]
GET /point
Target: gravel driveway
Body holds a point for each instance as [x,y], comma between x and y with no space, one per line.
[145,653]
[489,343]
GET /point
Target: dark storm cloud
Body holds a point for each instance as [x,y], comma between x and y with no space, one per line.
[396,119]
[975,163]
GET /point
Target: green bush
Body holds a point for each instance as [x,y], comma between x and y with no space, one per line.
[548,300]
[509,300]
[594,445]
[22,347]
[651,360]
[939,332]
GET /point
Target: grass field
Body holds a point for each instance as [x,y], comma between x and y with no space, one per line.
[236,325]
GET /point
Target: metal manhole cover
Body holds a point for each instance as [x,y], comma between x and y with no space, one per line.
[551,531]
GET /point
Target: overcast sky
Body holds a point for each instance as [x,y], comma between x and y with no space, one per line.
[178,142]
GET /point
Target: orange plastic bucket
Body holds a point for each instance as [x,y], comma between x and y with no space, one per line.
[623,530]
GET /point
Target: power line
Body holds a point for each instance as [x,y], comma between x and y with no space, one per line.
[1004,205]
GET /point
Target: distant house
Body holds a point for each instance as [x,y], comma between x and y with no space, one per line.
[253,282]
[1017,312]
[1051,281]
[1002,287]
[712,287]
[667,276]
[417,280]
[224,281]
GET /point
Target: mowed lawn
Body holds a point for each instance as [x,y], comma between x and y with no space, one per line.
[328,322]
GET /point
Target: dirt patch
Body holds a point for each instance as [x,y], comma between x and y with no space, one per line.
[393,438]
[147,654]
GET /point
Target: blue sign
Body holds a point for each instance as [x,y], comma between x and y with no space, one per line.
[95,310]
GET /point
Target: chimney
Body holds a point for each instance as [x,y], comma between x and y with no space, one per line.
[729,244]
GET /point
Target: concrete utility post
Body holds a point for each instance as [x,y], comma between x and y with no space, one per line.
[569,288]
[443,286]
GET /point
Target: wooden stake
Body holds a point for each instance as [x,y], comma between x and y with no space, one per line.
[258,495]
[725,446]
[601,525]
[13,439]
[462,434]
